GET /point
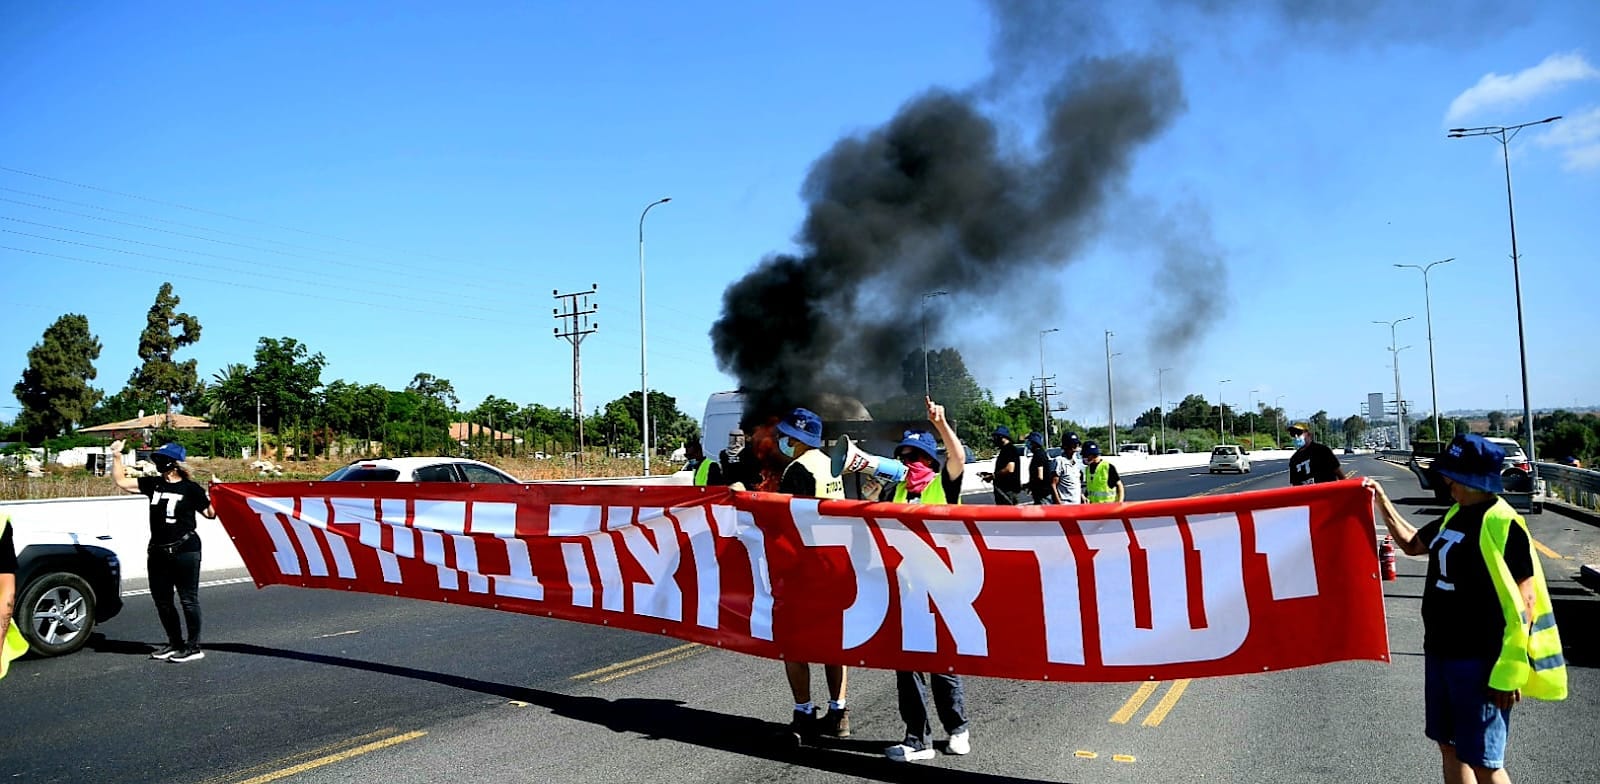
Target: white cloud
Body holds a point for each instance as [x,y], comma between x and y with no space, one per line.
[1495,91]
[1577,138]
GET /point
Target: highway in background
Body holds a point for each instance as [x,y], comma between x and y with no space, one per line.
[319,686]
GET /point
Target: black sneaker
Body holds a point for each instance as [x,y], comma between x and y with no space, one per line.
[803,727]
[165,652]
[836,724]
[189,653]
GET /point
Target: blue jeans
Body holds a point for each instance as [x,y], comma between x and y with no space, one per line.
[949,701]
[1460,712]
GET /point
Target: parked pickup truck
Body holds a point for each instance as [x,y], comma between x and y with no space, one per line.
[1515,476]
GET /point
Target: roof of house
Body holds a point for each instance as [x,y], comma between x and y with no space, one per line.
[466,431]
[153,422]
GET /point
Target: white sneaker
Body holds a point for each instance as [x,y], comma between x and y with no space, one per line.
[960,743]
[908,752]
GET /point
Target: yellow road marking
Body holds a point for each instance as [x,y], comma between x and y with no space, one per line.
[1134,703]
[1122,757]
[304,755]
[649,665]
[337,757]
[1167,701]
[1085,754]
[1548,553]
[631,662]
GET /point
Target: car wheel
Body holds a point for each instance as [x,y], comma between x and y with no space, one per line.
[56,613]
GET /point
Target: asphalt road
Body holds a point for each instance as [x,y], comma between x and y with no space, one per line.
[317,686]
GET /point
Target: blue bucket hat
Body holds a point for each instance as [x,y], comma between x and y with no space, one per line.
[1091,449]
[920,440]
[1474,461]
[803,425]
[1036,440]
[171,451]
[1003,431]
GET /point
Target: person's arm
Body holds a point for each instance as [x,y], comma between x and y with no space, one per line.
[1403,532]
[955,460]
[1338,467]
[8,580]
[119,475]
[208,512]
[1116,482]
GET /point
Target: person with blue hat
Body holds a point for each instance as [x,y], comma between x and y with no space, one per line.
[1069,472]
[927,483]
[174,553]
[1007,476]
[1041,471]
[1101,483]
[809,473]
[1488,629]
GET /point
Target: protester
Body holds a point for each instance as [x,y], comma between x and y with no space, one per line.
[1489,633]
[12,644]
[1069,472]
[1101,483]
[1007,476]
[1571,461]
[1041,471]
[706,472]
[810,474]
[928,483]
[1313,462]
[174,554]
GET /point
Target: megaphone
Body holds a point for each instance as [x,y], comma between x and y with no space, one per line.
[849,459]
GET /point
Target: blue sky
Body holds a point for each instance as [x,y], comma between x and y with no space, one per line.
[401,186]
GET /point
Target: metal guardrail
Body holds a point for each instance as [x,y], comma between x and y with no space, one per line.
[1577,486]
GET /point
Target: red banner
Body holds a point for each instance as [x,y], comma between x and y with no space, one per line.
[1197,587]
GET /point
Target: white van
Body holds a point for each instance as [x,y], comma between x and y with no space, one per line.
[723,410]
[1133,449]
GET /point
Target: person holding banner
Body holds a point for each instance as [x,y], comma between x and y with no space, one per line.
[1489,634]
[810,474]
[920,456]
[174,554]
[12,644]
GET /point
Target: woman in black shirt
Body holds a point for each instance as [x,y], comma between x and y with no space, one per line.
[174,555]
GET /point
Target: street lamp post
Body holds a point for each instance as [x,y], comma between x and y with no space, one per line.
[927,386]
[1277,416]
[1427,304]
[1504,135]
[1111,405]
[644,383]
[1253,418]
[1161,400]
[1222,434]
[1399,402]
[1044,384]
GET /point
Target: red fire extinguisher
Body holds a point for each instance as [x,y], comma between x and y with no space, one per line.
[1386,559]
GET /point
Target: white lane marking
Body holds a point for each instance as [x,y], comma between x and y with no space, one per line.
[338,634]
[207,584]
[1124,484]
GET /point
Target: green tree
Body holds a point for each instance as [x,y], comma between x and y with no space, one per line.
[1497,422]
[229,398]
[160,375]
[436,402]
[551,429]
[1319,426]
[1354,428]
[54,390]
[1193,413]
[287,378]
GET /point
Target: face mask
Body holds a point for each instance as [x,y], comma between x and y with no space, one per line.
[918,476]
[1299,441]
[785,446]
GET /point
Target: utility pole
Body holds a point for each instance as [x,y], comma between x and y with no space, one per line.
[1399,402]
[258,427]
[1161,400]
[1044,382]
[573,313]
[1111,404]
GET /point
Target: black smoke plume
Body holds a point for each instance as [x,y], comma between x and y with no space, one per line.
[933,200]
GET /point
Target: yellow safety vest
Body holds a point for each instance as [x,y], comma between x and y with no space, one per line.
[1097,483]
[932,494]
[702,472]
[15,644]
[1530,656]
[821,468]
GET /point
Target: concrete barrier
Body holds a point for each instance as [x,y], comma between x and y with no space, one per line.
[119,523]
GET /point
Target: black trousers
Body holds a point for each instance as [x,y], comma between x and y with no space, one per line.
[180,572]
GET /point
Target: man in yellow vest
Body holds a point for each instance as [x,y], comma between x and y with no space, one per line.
[1101,483]
[706,472]
[810,474]
[927,483]
[1489,634]
[12,644]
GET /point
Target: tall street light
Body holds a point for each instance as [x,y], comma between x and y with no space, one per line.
[644,383]
[1253,417]
[1427,304]
[1277,415]
[1399,402]
[1161,400]
[1111,405]
[927,386]
[1504,135]
[1044,384]
[1222,434]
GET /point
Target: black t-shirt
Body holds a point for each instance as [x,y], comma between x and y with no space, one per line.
[1012,482]
[8,555]
[1312,464]
[1461,615]
[952,489]
[798,480]
[1040,464]
[713,474]
[173,506]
